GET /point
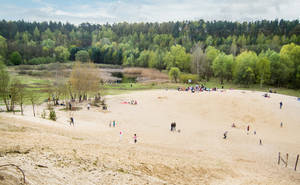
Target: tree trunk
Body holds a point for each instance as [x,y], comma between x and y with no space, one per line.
[21,104]
[6,104]
[12,106]
[261,80]
[33,109]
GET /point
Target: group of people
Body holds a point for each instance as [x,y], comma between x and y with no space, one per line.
[197,88]
[114,124]
[131,102]
[247,129]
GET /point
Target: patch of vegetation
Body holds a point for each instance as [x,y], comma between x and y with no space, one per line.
[52,115]
[77,138]
[14,150]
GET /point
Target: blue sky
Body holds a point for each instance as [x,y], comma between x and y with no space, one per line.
[111,11]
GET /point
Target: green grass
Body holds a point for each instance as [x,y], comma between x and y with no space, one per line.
[121,88]
[35,85]
[39,85]
[114,89]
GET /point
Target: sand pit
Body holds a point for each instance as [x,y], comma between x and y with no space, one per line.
[91,152]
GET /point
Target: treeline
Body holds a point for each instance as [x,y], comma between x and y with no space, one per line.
[161,46]
[268,67]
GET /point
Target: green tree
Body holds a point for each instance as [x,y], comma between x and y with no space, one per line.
[3,47]
[82,56]
[223,66]
[158,60]
[289,56]
[36,34]
[174,74]
[211,53]
[145,58]
[48,44]
[244,69]
[264,69]
[15,58]
[278,69]
[62,54]
[177,57]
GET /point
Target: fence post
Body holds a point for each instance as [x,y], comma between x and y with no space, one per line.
[278,158]
[296,162]
[287,158]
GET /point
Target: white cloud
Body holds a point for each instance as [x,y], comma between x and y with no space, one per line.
[156,11]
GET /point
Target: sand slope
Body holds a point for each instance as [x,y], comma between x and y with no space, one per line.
[93,153]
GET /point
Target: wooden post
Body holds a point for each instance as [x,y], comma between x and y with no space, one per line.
[287,158]
[296,162]
[279,158]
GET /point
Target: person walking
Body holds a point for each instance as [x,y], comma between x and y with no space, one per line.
[280,104]
[225,135]
[121,133]
[135,138]
[71,121]
[248,129]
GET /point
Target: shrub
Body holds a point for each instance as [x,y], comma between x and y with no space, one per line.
[15,58]
[185,77]
[174,74]
[52,115]
[40,60]
[82,56]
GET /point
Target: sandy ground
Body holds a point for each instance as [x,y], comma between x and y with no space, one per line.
[91,152]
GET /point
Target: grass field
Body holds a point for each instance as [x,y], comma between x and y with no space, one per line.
[126,87]
[39,84]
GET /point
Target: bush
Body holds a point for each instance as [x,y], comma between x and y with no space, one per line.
[40,60]
[52,115]
[185,77]
[82,56]
[174,74]
[15,58]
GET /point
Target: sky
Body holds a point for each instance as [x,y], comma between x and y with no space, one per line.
[114,11]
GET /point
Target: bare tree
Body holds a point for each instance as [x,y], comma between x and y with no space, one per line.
[4,85]
[21,93]
[13,94]
[199,62]
[84,79]
[33,98]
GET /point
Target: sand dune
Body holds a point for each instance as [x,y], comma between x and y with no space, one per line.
[93,153]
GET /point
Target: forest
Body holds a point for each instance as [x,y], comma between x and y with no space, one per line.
[262,52]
